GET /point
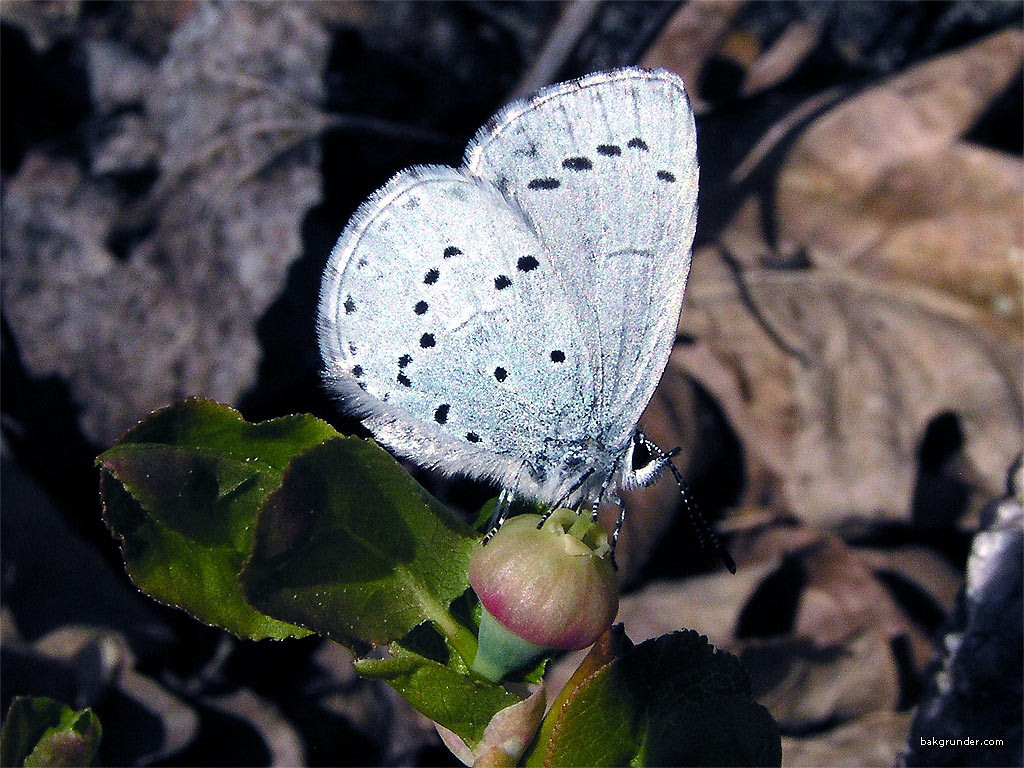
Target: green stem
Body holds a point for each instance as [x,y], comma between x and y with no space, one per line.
[460,638]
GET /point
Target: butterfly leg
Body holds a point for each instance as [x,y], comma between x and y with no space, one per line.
[618,501]
[618,527]
[604,489]
[565,496]
[504,506]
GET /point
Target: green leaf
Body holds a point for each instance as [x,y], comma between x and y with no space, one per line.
[461,704]
[43,732]
[182,490]
[674,700]
[352,547]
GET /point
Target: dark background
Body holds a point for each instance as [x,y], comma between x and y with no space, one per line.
[402,84]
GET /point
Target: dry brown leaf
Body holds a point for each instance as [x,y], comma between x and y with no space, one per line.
[875,739]
[782,58]
[149,26]
[883,183]
[843,599]
[709,603]
[832,391]
[43,22]
[813,686]
[118,77]
[690,38]
[929,571]
[835,392]
[280,736]
[76,310]
[215,239]
[237,106]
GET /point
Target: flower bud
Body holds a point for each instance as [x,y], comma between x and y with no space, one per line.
[543,589]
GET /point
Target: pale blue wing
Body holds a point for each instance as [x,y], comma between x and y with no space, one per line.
[604,169]
[442,327]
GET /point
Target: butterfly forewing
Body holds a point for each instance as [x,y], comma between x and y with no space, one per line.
[605,171]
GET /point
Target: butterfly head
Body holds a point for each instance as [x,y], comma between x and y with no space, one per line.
[643,462]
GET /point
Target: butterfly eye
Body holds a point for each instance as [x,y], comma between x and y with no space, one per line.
[641,454]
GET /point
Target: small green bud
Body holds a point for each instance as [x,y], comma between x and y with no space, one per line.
[543,589]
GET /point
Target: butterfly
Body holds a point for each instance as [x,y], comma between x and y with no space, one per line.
[509,320]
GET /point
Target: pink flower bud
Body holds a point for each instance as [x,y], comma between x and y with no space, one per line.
[541,589]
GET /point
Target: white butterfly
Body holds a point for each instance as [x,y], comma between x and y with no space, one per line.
[509,320]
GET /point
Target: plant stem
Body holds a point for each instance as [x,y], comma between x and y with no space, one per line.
[460,638]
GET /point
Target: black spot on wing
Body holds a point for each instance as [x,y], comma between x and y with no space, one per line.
[545,183]
[431,277]
[501,282]
[557,356]
[637,143]
[427,340]
[577,163]
[527,263]
[609,150]
[350,306]
[451,250]
[666,176]
[357,371]
[404,360]
[500,373]
[404,380]
[420,308]
[441,413]
[473,437]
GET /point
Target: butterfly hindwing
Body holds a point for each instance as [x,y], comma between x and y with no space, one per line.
[430,326]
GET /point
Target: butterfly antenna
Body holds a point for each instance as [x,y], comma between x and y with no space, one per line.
[705,536]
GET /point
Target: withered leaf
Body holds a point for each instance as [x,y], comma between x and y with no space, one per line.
[233,109]
[884,183]
[834,393]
